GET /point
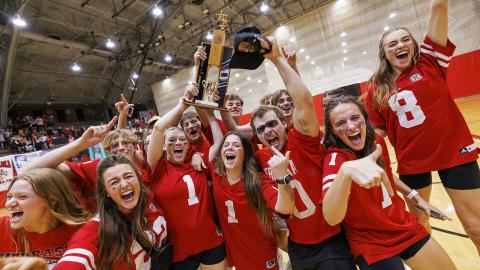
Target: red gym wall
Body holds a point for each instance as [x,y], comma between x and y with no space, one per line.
[463,80]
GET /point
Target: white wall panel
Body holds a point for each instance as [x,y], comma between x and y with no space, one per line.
[322,62]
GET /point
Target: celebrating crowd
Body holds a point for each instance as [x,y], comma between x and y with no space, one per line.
[208,193]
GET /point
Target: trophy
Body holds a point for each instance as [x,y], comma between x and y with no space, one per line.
[213,73]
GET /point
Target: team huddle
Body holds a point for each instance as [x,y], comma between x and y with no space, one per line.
[226,195]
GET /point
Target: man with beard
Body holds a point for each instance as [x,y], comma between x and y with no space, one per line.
[312,243]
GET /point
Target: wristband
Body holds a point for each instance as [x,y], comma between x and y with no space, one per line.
[412,194]
[285,180]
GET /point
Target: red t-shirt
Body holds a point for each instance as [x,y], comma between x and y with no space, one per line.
[377,226]
[422,121]
[248,246]
[82,253]
[50,246]
[307,225]
[86,179]
[184,196]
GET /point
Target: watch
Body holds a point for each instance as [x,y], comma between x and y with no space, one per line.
[285,180]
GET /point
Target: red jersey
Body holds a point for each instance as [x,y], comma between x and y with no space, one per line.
[86,179]
[184,196]
[307,225]
[82,252]
[377,226]
[208,131]
[248,246]
[50,246]
[422,121]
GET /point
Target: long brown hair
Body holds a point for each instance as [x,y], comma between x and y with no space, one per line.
[251,180]
[116,230]
[331,140]
[52,186]
[384,78]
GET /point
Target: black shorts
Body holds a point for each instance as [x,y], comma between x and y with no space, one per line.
[462,177]
[331,254]
[395,262]
[207,257]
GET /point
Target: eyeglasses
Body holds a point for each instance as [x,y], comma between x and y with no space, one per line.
[270,124]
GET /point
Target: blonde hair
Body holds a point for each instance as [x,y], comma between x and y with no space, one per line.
[384,78]
[62,203]
[117,134]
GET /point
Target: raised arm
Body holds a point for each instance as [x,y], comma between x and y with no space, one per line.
[278,163]
[123,107]
[155,147]
[54,159]
[437,28]
[230,125]
[217,136]
[304,116]
[364,172]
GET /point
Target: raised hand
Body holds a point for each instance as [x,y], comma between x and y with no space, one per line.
[366,172]
[275,52]
[190,92]
[123,106]
[291,57]
[278,163]
[197,162]
[95,134]
[200,54]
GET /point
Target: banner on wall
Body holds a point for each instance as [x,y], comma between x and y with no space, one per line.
[6,172]
[21,161]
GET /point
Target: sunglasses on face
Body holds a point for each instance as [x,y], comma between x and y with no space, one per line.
[270,124]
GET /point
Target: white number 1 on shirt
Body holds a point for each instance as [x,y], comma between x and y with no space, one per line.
[387,201]
[231,212]
[192,196]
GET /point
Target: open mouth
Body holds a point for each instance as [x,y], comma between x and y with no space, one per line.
[128,195]
[402,55]
[275,142]
[193,132]
[230,156]
[177,153]
[355,138]
[15,215]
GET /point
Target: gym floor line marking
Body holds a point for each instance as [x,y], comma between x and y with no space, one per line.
[450,232]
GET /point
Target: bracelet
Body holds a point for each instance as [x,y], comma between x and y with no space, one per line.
[412,194]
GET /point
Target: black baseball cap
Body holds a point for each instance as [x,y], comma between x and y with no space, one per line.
[251,55]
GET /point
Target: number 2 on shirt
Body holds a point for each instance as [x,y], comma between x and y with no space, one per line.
[192,196]
[410,106]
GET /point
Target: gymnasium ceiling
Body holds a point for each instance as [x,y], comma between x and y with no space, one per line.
[35,61]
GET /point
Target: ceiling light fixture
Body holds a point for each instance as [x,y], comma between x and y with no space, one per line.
[302,50]
[392,15]
[386,28]
[292,39]
[264,7]
[110,44]
[209,36]
[344,44]
[18,21]
[157,11]
[345,51]
[134,76]
[75,67]
[168,57]
[343,34]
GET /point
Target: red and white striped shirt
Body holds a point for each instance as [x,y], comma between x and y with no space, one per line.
[422,121]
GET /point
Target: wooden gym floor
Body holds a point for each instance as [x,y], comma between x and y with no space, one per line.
[450,234]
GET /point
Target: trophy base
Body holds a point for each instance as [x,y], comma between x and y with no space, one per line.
[205,104]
